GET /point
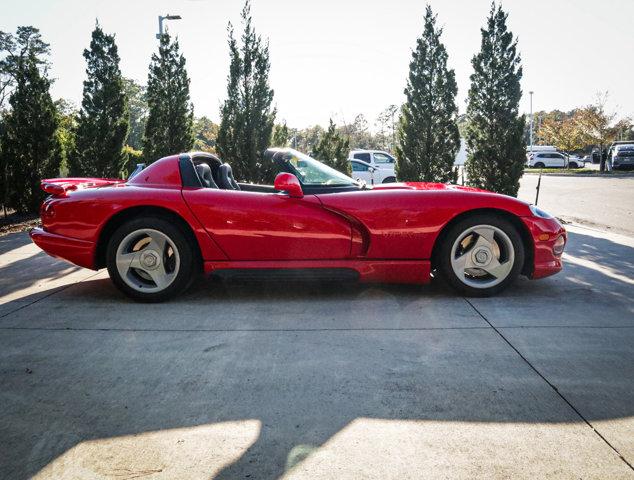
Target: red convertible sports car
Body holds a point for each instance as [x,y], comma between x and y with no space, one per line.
[185,214]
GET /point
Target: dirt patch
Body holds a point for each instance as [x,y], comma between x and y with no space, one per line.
[15,222]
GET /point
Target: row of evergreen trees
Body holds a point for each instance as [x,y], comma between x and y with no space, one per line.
[103,121]
[30,143]
[427,137]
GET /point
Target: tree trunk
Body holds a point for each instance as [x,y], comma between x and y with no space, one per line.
[601,159]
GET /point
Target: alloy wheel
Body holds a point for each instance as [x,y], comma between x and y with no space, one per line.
[147,260]
[482,256]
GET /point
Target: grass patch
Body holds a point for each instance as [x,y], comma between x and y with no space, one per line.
[576,171]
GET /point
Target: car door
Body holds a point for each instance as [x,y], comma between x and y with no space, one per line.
[383,160]
[553,160]
[270,226]
[362,171]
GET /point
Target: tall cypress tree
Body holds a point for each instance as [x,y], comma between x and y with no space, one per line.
[169,127]
[495,144]
[103,119]
[246,115]
[332,149]
[428,138]
[30,146]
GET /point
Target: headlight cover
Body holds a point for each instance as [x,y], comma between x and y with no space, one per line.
[538,212]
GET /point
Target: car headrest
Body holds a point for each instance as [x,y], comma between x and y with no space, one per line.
[225,178]
[206,178]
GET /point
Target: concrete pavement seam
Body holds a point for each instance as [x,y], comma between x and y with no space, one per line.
[556,390]
[229,330]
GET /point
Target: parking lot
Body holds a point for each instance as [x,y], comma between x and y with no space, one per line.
[319,381]
[605,203]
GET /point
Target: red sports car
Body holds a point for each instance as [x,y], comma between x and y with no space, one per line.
[185,214]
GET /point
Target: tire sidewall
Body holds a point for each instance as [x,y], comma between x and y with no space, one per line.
[444,260]
[186,270]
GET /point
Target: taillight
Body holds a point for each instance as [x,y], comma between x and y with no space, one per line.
[47,210]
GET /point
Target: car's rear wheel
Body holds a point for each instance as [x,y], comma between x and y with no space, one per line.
[150,259]
[389,180]
[481,255]
[539,165]
[573,165]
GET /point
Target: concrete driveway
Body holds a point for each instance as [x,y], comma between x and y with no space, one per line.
[305,381]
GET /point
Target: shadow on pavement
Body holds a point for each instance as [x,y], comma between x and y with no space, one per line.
[63,387]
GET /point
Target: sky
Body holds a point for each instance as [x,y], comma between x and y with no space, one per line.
[339,58]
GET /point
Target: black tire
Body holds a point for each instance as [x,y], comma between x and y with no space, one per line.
[573,165]
[189,262]
[539,165]
[443,264]
[389,180]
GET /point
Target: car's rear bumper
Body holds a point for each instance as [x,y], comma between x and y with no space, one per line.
[79,252]
[545,232]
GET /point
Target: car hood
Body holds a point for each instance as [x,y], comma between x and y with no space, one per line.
[427,186]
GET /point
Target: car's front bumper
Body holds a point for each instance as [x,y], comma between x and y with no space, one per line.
[545,232]
[625,165]
[79,252]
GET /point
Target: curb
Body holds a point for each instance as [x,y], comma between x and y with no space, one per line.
[595,175]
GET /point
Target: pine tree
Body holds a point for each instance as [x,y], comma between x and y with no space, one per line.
[30,145]
[67,115]
[169,127]
[280,135]
[138,110]
[246,115]
[495,144]
[332,149]
[102,126]
[428,138]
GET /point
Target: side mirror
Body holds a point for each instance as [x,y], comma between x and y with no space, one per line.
[287,182]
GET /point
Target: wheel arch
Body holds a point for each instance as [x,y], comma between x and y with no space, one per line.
[124,215]
[525,235]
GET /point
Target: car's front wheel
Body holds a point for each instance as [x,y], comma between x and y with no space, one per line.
[539,165]
[150,259]
[481,255]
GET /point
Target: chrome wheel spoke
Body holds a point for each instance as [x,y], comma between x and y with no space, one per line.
[497,269]
[160,277]
[157,242]
[125,261]
[461,263]
[486,237]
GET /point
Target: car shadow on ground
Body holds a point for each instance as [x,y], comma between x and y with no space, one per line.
[82,380]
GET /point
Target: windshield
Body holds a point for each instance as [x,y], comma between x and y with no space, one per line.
[312,172]
[625,152]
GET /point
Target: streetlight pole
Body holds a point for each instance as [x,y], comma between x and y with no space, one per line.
[160,20]
[531,127]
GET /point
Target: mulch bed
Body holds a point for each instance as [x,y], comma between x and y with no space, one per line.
[14,222]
